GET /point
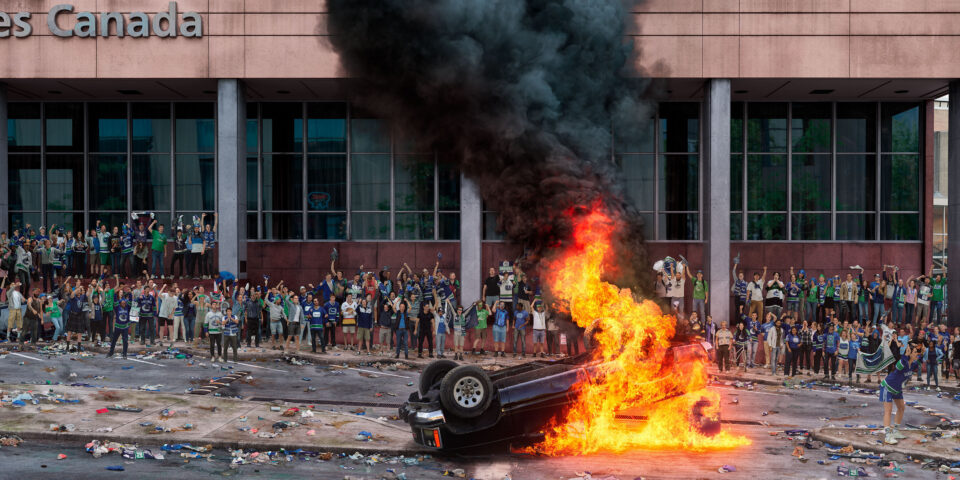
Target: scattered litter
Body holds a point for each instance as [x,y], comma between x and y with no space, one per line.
[116,468]
[61,457]
[727,469]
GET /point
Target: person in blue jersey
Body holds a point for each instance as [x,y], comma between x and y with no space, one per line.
[315,314]
[121,328]
[855,339]
[402,328]
[933,358]
[792,345]
[891,389]
[831,345]
[794,291]
[753,331]
[501,321]
[330,320]
[739,290]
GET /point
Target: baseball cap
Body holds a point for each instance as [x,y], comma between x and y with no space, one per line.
[802,272]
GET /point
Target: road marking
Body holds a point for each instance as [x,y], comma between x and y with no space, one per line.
[258,366]
[377,372]
[27,356]
[144,361]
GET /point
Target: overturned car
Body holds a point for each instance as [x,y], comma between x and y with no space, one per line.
[462,406]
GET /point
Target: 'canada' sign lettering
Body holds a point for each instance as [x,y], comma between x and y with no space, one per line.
[63,22]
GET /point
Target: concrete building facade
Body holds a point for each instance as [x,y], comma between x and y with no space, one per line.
[792,133]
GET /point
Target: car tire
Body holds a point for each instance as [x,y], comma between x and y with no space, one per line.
[434,373]
[466,391]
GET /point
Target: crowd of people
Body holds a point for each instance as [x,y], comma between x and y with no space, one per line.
[67,290]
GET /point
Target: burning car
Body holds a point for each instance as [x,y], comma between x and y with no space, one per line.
[462,406]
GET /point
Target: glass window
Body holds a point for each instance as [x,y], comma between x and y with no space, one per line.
[413,182]
[679,127]
[65,127]
[196,182]
[326,127]
[810,226]
[151,127]
[108,182]
[449,185]
[23,127]
[370,226]
[151,182]
[327,182]
[490,229]
[253,183]
[64,182]
[253,135]
[811,182]
[810,124]
[187,218]
[767,127]
[767,226]
[900,187]
[856,127]
[414,226]
[252,224]
[766,183]
[736,127]
[66,221]
[449,226]
[679,182]
[24,182]
[107,126]
[282,125]
[638,178]
[900,127]
[679,226]
[327,226]
[736,226]
[196,129]
[634,135]
[856,191]
[282,183]
[110,219]
[20,220]
[736,182]
[370,182]
[369,135]
[900,226]
[939,245]
[856,226]
[939,220]
[283,226]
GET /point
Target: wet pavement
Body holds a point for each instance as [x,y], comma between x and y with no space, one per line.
[769,414]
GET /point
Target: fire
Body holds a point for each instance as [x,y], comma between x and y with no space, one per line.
[631,339]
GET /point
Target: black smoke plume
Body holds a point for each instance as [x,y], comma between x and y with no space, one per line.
[520,93]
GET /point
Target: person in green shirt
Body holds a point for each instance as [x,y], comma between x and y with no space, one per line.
[109,299]
[54,308]
[157,248]
[701,293]
[480,337]
[936,298]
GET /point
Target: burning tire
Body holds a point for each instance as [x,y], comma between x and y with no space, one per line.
[705,417]
[466,391]
[434,373]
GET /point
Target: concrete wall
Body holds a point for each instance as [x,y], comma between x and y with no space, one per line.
[675,38]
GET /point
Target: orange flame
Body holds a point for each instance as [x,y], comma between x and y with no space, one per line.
[631,340]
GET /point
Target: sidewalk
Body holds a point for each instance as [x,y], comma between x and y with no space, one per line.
[200,421]
[918,443]
[762,376]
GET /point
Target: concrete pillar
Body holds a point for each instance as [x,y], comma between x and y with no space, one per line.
[716,201]
[231,177]
[471,234]
[4,163]
[953,204]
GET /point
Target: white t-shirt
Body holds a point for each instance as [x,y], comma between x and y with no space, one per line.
[923,298]
[676,290]
[755,291]
[539,320]
[349,309]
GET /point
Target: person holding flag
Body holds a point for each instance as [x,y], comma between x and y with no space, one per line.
[891,389]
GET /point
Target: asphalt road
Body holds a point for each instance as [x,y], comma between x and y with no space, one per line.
[767,458]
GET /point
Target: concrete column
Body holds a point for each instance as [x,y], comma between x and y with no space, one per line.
[231,177]
[953,204]
[716,203]
[4,163]
[471,234]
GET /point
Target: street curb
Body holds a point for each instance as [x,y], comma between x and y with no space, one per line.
[886,449]
[80,439]
[873,386]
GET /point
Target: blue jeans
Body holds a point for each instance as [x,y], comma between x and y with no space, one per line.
[188,324]
[774,355]
[156,259]
[897,314]
[811,311]
[878,311]
[441,338]
[57,327]
[864,312]
[402,336]
[932,373]
[751,352]
[699,306]
[936,308]
[520,334]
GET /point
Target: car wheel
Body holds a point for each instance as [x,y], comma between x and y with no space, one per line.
[466,391]
[703,421]
[434,373]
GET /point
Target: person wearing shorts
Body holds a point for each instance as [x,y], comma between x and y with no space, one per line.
[459,333]
[365,325]
[891,389]
[15,301]
[480,331]
[501,318]
[385,322]
[539,329]
[276,321]
[348,310]
[294,320]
